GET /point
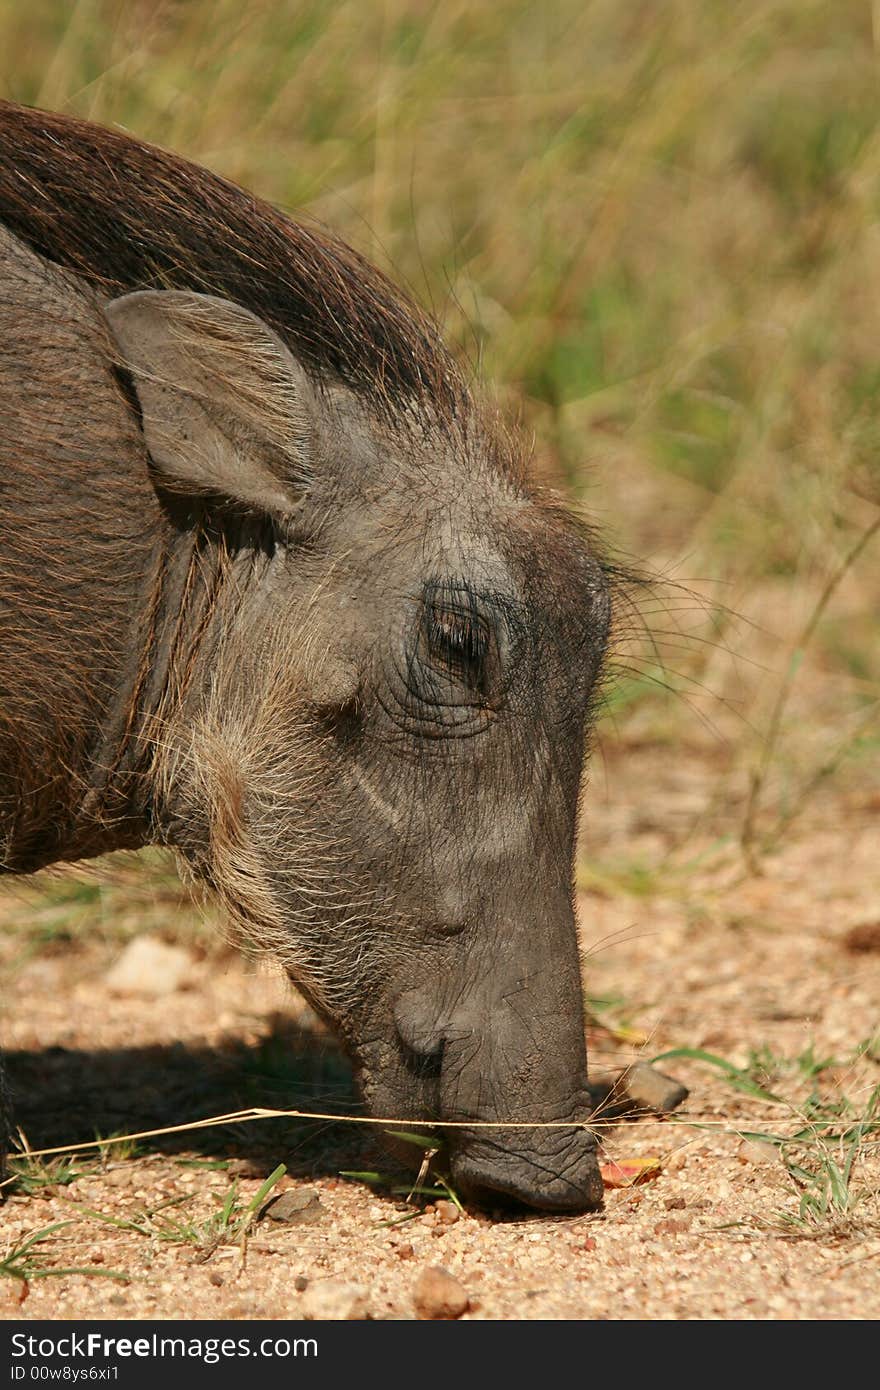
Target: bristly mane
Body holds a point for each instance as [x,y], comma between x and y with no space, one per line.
[125,215]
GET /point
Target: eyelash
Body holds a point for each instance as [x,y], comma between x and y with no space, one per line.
[460,641]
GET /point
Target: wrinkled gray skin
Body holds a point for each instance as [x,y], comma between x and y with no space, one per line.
[344,669]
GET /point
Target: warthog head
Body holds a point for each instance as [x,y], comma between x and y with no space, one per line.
[378,764]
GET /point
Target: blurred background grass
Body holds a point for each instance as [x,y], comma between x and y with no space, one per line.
[654,227]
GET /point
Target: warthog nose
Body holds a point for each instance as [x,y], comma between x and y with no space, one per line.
[490,1173]
[530,1197]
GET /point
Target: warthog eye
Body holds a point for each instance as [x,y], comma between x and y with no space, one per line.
[447,678]
[459,641]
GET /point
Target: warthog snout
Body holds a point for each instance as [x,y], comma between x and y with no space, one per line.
[550,1169]
[508,1057]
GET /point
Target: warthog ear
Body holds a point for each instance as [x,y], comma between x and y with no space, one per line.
[226,409]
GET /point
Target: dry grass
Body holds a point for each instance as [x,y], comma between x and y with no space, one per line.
[654,228]
[661,248]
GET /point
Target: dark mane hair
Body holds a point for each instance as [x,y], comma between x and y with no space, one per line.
[125,215]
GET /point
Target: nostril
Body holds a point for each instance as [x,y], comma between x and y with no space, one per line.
[515,1191]
[418,1024]
[427,1066]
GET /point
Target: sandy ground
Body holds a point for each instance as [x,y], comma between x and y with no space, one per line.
[697,957]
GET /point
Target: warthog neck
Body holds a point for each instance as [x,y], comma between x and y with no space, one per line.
[79,734]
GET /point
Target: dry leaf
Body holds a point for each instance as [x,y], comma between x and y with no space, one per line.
[629,1172]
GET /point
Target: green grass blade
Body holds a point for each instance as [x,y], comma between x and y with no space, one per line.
[734,1074]
[265,1188]
[422,1141]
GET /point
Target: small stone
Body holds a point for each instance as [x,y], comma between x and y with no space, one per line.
[650,1089]
[13,1292]
[438,1294]
[404,1252]
[671,1226]
[300,1283]
[589,1244]
[149,968]
[757,1151]
[448,1213]
[119,1177]
[334,1300]
[298,1206]
[246,1168]
[674,1203]
[862,938]
[216,1279]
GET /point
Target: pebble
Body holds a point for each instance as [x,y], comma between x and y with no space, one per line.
[438,1294]
[298,1206]
[334,1300]
[863,937]
[119,1177]
[671,1226]
[13,1292]
[448,1213]
[149,968]
[247,1168]
[650,1089]
[757,1151]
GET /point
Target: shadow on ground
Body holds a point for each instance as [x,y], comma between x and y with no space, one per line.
[67,1096]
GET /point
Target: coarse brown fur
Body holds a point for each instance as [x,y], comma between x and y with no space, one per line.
[125,215]
[71,578]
